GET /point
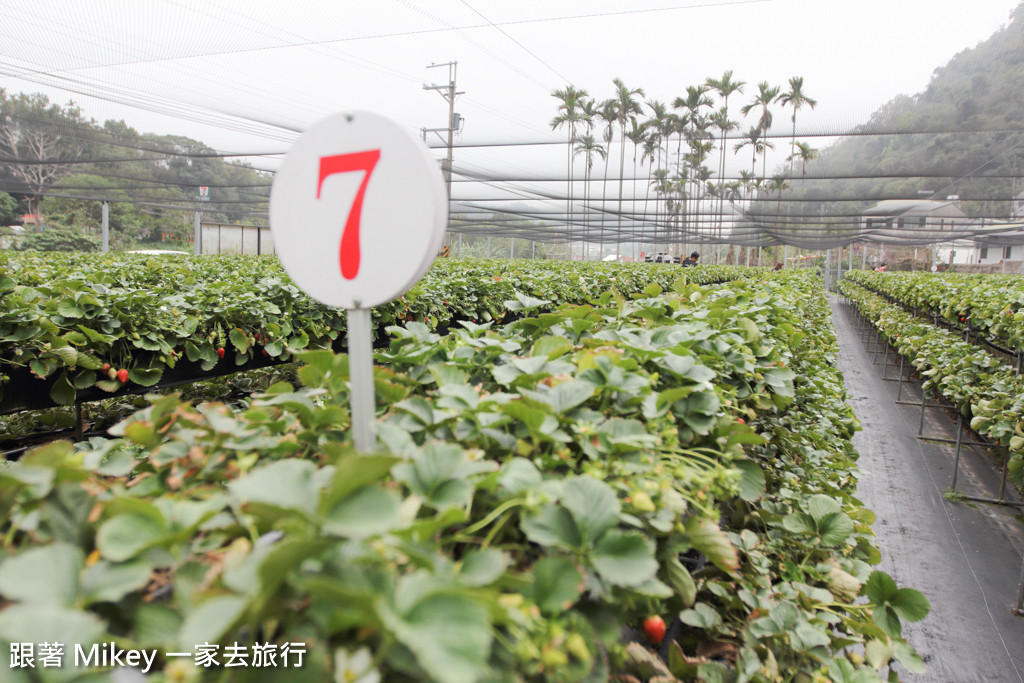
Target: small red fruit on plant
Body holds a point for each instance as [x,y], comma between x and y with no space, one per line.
[654,629]
[106,366]
[220,352]
[122,375]
[741,420]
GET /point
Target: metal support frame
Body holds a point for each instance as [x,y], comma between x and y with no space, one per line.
[79,428]
[959,441]
[1020,594]
[1018,610]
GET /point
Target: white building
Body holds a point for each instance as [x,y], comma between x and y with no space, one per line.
[999,242]
[914,221]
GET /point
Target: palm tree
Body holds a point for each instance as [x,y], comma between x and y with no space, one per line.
[756,141]
[696,99]
[725,87]
[660,125]
[652,150]
[638,136]
[570,115]
[589,147]
[721,120]
[609,114]
[748,181]
[627,108]
[766,95]
[796,98]
[804,152]
[778,183]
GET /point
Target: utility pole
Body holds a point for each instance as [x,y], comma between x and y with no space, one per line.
[449,93]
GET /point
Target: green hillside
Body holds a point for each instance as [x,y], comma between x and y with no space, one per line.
[963,135]
[57,161]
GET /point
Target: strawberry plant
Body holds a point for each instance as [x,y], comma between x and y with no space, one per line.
[63,317]
[987,392]
[540,485]
[990,303]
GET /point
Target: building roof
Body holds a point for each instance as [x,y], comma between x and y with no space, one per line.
[894,207]
[999,233]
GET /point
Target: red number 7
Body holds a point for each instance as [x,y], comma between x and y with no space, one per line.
[348,256]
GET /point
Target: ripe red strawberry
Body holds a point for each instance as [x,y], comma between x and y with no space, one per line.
[654,629]
[220,352]
[741,420]
[106,366]
[122,375]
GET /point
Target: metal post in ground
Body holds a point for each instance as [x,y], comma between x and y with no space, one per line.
[1002,481]
[899,392]
[924,402]
[1020,593]
[956,458]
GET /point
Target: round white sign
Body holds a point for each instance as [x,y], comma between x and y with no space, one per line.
[358,210]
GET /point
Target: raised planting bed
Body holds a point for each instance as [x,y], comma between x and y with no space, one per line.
[70,322]
[986,391]
[543,490]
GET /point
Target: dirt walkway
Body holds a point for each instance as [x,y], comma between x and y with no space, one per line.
[966,557]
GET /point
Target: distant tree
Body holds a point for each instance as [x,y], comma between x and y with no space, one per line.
[796,97]
[570,115]
[9,214]
[59,239]
[627,108]
[589,147]
[764,98]
[804,152]
[724,86]
[609,115]
[37,139]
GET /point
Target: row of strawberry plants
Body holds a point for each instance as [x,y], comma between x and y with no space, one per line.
[991,304]
[987,392]
[538,488]
[39,426]
[79,321]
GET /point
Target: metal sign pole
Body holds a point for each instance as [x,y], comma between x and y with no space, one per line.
[105,229]
[360,368]
[197,236]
